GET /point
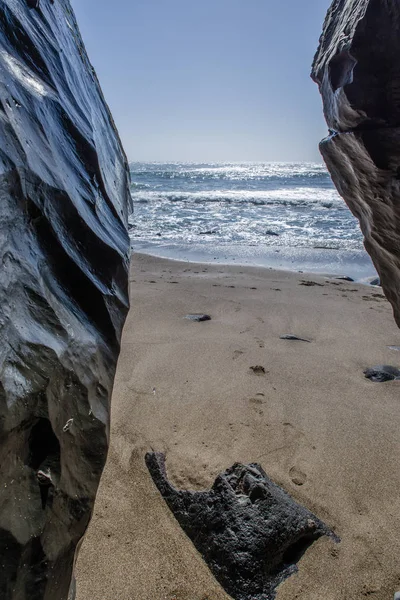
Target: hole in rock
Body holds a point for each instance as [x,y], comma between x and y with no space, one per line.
[341,69]
[10,552]
[295,551]
[43,444]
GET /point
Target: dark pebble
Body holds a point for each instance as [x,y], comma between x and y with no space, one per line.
[382,373]
[198,318]
[289,336]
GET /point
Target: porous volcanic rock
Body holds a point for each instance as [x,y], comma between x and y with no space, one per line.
[250,532]
[358,74]
[64,254]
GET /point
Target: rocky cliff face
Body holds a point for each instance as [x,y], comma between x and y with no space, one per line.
[64,253]
[358,73]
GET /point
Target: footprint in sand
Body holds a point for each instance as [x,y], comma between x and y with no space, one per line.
[256,404]
[297,476]
[258,370]
[310,283]
[373,298]
[237,353]
[256,400]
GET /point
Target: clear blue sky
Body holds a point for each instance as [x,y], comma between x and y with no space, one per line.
[208,80]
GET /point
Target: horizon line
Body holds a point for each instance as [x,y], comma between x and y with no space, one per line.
[226,162]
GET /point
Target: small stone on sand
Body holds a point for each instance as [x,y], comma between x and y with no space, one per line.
[290,336]
[198,318]
[382,373]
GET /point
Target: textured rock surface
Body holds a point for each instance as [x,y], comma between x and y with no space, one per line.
[63,293]
[250,532]
[358,73]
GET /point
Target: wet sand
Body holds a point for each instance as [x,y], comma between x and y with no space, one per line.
[327,435]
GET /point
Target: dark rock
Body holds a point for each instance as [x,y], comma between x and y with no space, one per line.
[290,336]
[250,532]
[64,255]
[375,281]
[382,373]
[207,232]
[323,247]
[345,278]
[198,318]
[271,232]
[356,68]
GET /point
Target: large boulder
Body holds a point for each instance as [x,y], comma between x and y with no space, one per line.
[64,254]
[250,532]
[357,69]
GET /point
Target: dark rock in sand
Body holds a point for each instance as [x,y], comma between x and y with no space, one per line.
[63,293]
[375,281]
[250,532]
[345,278]
[198,318]
[382,373]
[290,336]
[357,71]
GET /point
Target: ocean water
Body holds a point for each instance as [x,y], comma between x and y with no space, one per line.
[283,215]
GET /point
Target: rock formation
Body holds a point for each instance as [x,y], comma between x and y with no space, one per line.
[250,532]
[358,73]
[64,253]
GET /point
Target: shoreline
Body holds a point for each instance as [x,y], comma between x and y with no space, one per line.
[318,427]
[362,271]
[355,264]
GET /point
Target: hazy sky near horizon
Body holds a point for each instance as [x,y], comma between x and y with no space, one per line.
[209,80]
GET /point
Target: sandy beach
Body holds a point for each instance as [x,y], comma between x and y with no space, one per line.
[318,427]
